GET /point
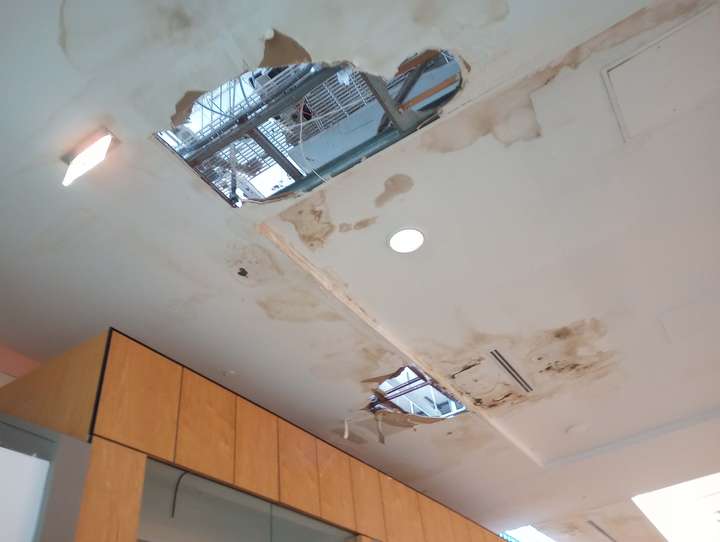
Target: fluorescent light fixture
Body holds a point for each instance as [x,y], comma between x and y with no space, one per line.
[407,240]
[686,511]
[89,157]
[528,534]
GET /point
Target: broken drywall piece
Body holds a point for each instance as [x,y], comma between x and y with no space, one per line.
[184,107]
[282,50]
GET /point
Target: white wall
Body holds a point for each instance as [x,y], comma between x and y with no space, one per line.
[21,494]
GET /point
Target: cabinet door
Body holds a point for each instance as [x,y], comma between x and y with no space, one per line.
[435,520]
[206,428]
[402,513]
[479,534]
[256,450]
[369,513]
[336,494]
[139,398]
[110,507]
[460,527]
[299,487]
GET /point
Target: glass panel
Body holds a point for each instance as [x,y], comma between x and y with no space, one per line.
[201,510]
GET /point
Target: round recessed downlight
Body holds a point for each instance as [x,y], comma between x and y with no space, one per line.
[407,240]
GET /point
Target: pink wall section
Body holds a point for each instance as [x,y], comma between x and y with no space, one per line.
[15,364]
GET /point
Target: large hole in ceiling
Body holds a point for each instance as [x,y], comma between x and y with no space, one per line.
[279,130]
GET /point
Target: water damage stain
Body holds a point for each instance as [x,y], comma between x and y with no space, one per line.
[346,227]
[296,305]
[282,50]
[254,263]
[550,360]
[394,186]
[510,115]
[311,220]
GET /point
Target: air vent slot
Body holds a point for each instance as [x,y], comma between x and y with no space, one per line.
[514,374]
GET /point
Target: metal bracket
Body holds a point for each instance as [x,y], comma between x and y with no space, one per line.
[405,121]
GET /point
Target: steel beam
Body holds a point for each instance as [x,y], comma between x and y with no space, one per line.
[243,124]
[272,151]
[404,121]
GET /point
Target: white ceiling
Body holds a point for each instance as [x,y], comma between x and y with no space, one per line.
[550,237]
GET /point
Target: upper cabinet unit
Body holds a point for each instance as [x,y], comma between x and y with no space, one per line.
[402,512]
[299,485]
[336,492]
[367,495]
[206,428]
[139,398]
[256,450]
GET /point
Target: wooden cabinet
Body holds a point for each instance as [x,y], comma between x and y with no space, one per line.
[402,513]
[139,398]
[206,428]
[435,520]
[110,508]
[336,494]
[299,486]
[256,450]
[367,495]
[479,534]
[460,527]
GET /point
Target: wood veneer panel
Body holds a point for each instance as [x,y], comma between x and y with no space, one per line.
[436,521]
[60,394]
[299,486]
[206,428]
[139,398]
[402,513]
[110,507]
[369,513]
[256,450]
[336,492]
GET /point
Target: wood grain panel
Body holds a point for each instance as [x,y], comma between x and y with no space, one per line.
[256,450]
[480,534]
[206,428]
[460,527]
[110,508]
[139,399]
[402,513]
[367,495]
[60,394]
[435,520]
[299,487]
[336,493]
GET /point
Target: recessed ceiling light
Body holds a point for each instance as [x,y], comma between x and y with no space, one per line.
[89,156]
[407,240]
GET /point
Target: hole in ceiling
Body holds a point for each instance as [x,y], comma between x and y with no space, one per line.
[411,392]
[279,130]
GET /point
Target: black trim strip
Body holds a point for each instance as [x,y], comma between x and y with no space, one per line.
[101,380]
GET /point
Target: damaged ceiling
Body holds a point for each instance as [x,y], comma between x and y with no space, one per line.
[582,256]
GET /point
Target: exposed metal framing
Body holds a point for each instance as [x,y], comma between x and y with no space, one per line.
[505,364]
[253,119]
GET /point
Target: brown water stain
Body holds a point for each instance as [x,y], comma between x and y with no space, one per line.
[550,360]
[394,186]
[311,220]
[346,227]
[258,263]
[296,305]
[510,115]
[282,50]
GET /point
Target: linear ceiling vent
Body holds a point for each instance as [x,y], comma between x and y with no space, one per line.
[409,391]
[274,131]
